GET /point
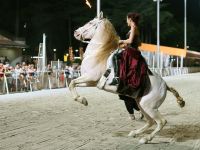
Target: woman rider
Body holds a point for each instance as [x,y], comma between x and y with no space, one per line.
[131,52]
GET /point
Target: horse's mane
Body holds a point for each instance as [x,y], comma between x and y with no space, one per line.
[111,42]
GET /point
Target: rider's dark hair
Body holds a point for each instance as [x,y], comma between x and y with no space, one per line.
[135,17]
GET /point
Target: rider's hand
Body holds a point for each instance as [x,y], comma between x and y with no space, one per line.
[122,45]
[121,42]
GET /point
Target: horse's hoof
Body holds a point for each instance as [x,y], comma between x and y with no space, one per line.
[141,116]
[132,134]
[143,141]
[81,100]
[84,101]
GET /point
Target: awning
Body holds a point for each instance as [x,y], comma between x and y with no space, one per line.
[11,44]
[170,51]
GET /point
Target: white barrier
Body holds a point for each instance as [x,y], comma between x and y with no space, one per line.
[41,80]
[172,71]
[53,80]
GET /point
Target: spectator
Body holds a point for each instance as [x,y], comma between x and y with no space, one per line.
[6,61]
[49,69]
[1,59]
[70,76]
[1,70]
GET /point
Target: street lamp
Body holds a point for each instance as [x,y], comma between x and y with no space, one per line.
[76,52]
[185,24]
[158,32]
[185,29]
[98,8]
[54,54]
[44,52]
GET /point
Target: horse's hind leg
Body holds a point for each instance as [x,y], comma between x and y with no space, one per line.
[160,121]
[148,124]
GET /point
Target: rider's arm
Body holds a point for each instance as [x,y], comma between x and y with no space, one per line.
[131,37]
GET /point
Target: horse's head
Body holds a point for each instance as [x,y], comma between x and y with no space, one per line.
[103,36]
[88,30]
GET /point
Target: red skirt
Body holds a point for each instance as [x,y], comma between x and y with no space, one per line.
[133,75]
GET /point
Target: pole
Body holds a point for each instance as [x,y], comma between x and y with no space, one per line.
[153,61]
[43,57]
[177,62]
[44,52]
[185,29]
[17,20]
[161,62]
[158,33]
[6,83]
[70,30]
[185,24]
[98,8]
[148,56]
[58,64]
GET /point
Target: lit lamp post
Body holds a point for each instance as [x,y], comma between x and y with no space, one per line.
[44,52]
[185,30]
[76,53]
[98,8]
[67,56]
[158,33]
[54,54]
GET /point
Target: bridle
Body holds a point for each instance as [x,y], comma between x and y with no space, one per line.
[95,26]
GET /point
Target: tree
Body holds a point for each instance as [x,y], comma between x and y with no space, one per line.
[147,9]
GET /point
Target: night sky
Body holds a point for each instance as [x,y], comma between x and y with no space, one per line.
[193,10]
[58,19]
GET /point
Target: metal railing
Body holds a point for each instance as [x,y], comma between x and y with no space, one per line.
[172,71]
[13,82]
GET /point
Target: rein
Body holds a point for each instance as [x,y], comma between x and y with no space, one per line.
[89,41]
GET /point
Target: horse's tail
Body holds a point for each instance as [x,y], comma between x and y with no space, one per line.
[180,100]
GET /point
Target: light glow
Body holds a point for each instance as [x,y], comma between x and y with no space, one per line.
[88,3]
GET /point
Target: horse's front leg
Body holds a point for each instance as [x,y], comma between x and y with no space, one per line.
[82,81]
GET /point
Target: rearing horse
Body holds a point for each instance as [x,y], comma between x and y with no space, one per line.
[104,40]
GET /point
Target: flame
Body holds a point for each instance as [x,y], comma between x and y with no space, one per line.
[88,3]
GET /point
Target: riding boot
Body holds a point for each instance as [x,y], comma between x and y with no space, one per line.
[115,81]
[115,60]
[103,79]
[131,116]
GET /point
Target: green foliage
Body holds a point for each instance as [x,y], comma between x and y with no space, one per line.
[53,17]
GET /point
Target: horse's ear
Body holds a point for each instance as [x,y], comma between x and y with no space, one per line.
[101,15]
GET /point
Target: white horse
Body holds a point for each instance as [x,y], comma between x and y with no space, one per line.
[104,40]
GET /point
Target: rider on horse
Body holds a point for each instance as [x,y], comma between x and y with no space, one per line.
[130,67]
